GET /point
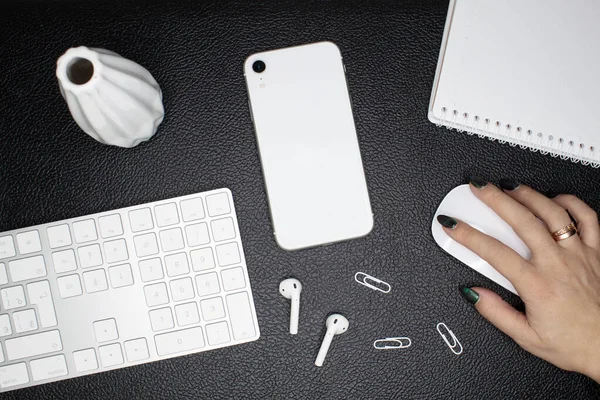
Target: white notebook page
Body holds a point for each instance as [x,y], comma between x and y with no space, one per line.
[528,64]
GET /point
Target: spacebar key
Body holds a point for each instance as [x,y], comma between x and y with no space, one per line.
[176,342]
[33,345]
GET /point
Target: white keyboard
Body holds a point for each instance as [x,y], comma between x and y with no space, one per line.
[123,287]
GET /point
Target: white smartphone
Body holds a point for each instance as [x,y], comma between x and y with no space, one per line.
[308,145]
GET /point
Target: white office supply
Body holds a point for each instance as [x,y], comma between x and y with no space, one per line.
[522,72]
[122,287]
[444,332]
[392,343]
[372,283]
[461,203]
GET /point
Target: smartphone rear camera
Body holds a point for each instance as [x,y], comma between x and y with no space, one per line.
[259,67]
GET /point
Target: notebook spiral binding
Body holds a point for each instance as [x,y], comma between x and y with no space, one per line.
[525,139]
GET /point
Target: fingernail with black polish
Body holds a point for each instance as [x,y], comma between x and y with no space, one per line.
[447,221]
[508,184]
[470,295]
[477,182]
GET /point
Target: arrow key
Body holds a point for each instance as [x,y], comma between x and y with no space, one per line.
[111,355]
[85,360]
[136,350]
[106,330]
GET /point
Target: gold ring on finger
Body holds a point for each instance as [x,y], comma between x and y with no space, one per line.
[565,232]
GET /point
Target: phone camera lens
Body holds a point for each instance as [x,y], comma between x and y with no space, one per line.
[259,67]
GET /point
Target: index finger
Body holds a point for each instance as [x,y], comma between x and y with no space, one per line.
[525,224]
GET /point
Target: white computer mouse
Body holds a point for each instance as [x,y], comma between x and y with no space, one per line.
[461,203]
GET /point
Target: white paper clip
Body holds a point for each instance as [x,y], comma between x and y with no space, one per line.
[453,346]
[392,343]
[367,280]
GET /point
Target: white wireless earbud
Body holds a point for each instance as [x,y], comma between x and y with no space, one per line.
[336,324]
[290,289]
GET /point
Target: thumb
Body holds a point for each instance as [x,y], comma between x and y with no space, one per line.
[502,315]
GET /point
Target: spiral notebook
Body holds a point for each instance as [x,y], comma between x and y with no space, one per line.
[524,72]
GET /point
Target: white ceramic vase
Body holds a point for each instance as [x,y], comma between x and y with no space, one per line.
[114,100]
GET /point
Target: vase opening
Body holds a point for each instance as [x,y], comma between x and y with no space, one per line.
[80,70]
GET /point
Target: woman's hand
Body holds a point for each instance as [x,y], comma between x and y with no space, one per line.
[560,284]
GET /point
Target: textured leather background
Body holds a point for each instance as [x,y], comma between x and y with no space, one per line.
[51,170]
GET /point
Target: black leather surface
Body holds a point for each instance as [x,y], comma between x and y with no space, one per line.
[51,170]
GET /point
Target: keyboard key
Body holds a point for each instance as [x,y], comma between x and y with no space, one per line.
[141,220]
[197,234]
[161,319]
[171,239]
[7,247]
[182,289]
[5,328]
[166,214]
[177,264]
[218,204]
[120,276]
[207,284]
[187,314]
[29,242]
[217,333]
[136,350]
[212,309]
[222,229]
[59,236]
[192,209]
[85,231]
[228,254]
[90,256]
[115,251]
[1,355]
[178,341]
[69,286]
[13,375]
[85,360]
[33,345]
[27,268]
[40,295]
[156,294]
[202,259]
[110,226]
[3,274]
[95,281]
[64,261]
[25,321]
[233,279]
[13,297]
[106,330]
[240,316]
[110,355]
[145,245]
[151,270]
[49,367]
